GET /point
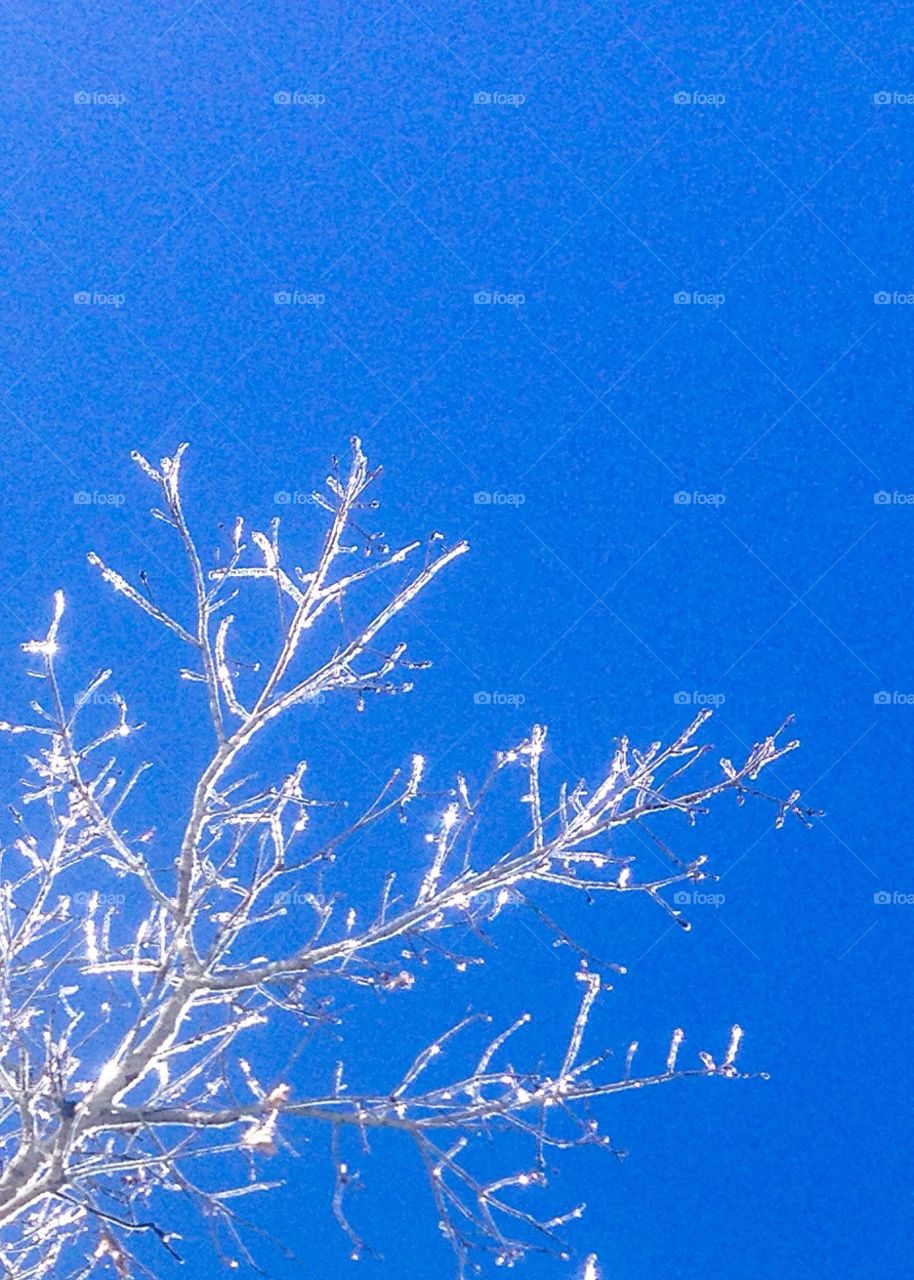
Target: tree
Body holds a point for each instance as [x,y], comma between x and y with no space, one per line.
[180,989]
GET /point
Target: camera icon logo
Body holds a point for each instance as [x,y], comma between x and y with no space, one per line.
[882,498]
[482,99]
[482,699]
[881,99]
[83,298]
[482,297]
[283,498]
[682,699]
[283,297]
[682,298]
[882,699]
[882,898]
[682,99]
[282,99]
[482,499]
[82,498]
[682,499]
[881,298]
[682,898]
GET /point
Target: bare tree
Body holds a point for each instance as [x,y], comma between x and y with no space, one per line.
[172,988]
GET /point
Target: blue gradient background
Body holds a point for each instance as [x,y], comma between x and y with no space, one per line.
[600,597]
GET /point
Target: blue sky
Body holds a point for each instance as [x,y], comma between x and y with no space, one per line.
[488,218]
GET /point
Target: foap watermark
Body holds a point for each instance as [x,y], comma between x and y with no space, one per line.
[495,901]
[893,98]
[698,99]
[883,498]
[95,298]
[98,699]
[893,898]
[693,297]
[695,898]
[298,98]
[698,498]
[483,698]
[494,498]
[93,898]
[83,498]
[496,298]
[86,98]
[893,698]
[296,498]
[298,298]
[883,298]
[293,898]
[697,698]
[485,99]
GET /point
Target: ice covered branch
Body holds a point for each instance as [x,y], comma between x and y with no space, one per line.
[135,1026]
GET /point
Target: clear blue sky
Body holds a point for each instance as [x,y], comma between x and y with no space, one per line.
[149,165]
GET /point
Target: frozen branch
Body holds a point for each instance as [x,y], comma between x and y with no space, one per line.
[132,1042]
